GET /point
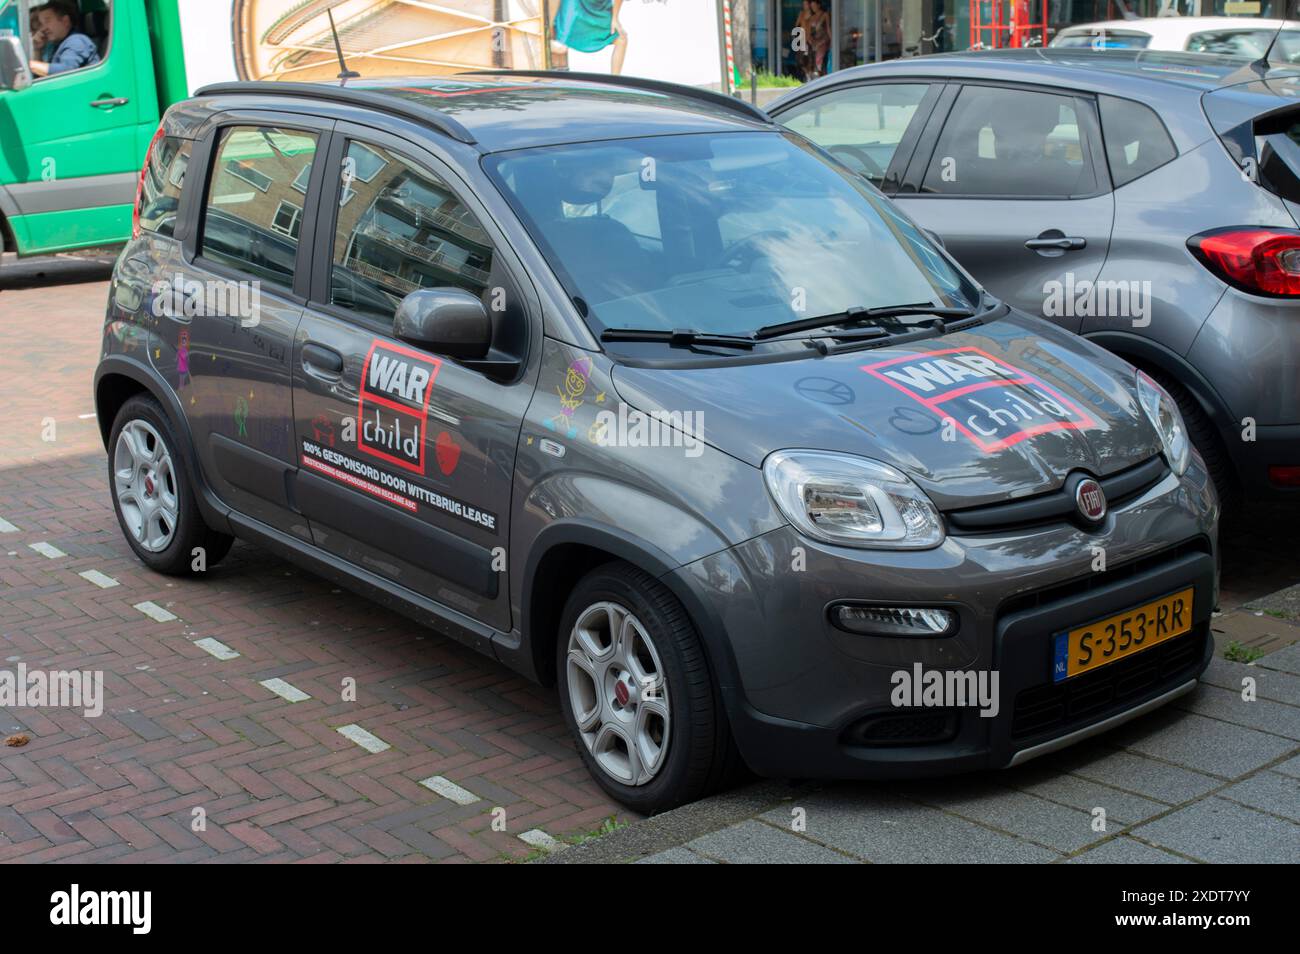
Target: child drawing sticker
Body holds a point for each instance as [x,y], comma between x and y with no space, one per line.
[183,359]
[575,386]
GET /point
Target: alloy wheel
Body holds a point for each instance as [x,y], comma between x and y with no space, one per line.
[145,483]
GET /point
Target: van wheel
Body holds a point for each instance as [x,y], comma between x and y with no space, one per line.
[152,498]
[637,692]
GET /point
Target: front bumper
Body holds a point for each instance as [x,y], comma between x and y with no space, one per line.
[807,699]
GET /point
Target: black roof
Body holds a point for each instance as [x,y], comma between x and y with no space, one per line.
[513,110]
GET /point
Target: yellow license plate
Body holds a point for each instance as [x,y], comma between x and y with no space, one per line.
[1116,637]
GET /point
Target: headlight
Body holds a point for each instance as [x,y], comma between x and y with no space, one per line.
[1162,411]
[851,501]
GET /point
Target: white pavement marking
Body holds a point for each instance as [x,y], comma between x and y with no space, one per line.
[539,839]
[6,526]
[216,648]
[371,743]
[284,690]
[47,550]
[449,789]
[155,612]
[101,580]
[85,417]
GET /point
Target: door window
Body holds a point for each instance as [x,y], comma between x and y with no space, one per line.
[1010,142]
[253,205]
[400,229]
[67,35]
[860,126]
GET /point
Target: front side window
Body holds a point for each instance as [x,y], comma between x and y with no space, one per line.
[253,208]
[1009,142]
[400,229]
[67,35]
[860,126]
[161,184]
[721,233]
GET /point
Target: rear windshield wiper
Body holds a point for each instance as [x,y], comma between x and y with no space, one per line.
[850,315]
[678,337]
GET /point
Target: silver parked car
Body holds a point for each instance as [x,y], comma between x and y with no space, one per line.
[1145,200]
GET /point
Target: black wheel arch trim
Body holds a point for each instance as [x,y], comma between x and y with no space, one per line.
[215,513]
[624,546]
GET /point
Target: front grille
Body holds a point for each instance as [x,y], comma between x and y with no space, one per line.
[1056,506]
[908,727]
[1057,706]
[1095,581]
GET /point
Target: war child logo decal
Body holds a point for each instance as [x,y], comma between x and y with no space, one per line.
[991,402]
[393,410]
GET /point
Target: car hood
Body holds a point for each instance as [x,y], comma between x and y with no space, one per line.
[1001,410]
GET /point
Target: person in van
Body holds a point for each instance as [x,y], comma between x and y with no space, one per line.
[72,50]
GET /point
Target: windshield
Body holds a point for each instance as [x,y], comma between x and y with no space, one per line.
[722,233]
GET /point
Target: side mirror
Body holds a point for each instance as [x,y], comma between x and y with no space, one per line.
[15,73]
[445,321]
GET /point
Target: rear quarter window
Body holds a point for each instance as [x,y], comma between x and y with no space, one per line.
[163,180]
[1136,140]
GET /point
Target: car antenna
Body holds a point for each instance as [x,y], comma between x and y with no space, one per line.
[345,74]
[1262,64]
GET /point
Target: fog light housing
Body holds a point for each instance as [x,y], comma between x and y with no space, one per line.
[926,622]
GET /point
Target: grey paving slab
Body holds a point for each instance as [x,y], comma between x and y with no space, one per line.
[1265,715]
[1286,660]
[1289,767]
[1126,851]
[1086,794]
[675,856]
[1268,791]
[1285,601]
[1206,745]
[753,842]
[1054,826]
[1154,779]
[880,827]
[1222,832]
[1271,684]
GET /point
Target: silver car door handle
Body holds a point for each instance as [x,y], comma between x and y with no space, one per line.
[1066,243]
[110,103]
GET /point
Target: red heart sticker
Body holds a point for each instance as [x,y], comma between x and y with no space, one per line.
[448,453]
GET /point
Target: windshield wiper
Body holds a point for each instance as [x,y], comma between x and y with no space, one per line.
[678,337]
[857,313]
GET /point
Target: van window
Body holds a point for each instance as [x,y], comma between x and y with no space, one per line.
[68,35]
[253,208]
[160,189]
[1136,140]
[400,229]
[1010,142]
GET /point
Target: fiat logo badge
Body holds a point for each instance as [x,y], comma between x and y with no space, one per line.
[1090,499]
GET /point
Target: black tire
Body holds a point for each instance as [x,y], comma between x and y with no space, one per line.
[1205,438]
[190,531]
[700,756]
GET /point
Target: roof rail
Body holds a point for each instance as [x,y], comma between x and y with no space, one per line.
[370,99]
[634,82]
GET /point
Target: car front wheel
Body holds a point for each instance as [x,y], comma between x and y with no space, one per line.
[638,694]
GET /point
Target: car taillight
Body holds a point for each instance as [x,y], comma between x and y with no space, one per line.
[139,186]
[1261,261]
[1284,476]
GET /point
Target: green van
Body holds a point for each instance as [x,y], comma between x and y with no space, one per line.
[71,143]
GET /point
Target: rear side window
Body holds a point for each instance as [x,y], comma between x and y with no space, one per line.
[400,229]
[861,126]
[254,201]
[160,190]
[1010,142]
[1136,140]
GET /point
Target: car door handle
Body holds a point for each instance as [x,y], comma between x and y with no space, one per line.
[110,102]
[321,360]
[1065,243]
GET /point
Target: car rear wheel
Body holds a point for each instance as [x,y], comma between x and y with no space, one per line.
[154,503]
[638,694]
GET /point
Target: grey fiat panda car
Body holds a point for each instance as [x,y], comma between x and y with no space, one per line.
[626,387]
